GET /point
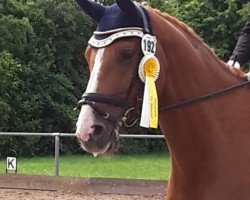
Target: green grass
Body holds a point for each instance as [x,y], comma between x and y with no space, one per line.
[154,166]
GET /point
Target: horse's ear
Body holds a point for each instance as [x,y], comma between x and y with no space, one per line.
[91,8]
[128,6]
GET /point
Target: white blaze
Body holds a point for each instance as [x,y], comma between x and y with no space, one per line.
[86,117]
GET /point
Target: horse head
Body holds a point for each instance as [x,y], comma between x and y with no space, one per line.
[112,99]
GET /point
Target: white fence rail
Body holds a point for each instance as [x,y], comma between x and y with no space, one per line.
[57,140]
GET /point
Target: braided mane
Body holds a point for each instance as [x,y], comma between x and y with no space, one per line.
[191,33]
[178,23]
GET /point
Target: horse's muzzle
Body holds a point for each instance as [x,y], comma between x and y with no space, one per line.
[102,139]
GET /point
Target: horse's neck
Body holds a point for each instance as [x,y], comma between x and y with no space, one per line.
[189,68]
[192,70]
[205,136]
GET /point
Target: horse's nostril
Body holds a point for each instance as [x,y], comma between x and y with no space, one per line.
[97,130]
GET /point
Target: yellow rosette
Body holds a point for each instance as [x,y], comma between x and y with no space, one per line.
[148,72]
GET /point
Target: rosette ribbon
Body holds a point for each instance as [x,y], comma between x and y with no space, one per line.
[148,72]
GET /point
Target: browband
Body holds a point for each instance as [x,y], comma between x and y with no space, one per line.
[121,34]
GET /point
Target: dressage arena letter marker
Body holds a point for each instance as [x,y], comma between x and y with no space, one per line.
[11,163]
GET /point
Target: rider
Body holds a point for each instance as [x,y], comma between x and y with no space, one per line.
[241,53]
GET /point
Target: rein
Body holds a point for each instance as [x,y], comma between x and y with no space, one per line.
[205,97]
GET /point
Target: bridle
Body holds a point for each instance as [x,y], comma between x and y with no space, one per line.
[92,98]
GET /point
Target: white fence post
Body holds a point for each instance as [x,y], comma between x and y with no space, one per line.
[57,153]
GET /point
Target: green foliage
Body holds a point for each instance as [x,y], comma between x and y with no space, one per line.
[245,11]
[43,73]
[15,34]
[41,69]
[217,22]
[10,85]
[140,146]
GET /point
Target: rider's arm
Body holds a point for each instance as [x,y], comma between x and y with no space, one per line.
[241,53]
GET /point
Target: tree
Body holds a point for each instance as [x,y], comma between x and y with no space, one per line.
[10,85]
[217,22]
[45,40]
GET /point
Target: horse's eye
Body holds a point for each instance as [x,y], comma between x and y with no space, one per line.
[125,54]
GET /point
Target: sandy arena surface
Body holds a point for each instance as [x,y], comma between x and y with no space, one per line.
[12,194]
[25,187]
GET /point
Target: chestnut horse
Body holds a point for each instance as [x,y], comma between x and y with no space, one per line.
[203,110]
